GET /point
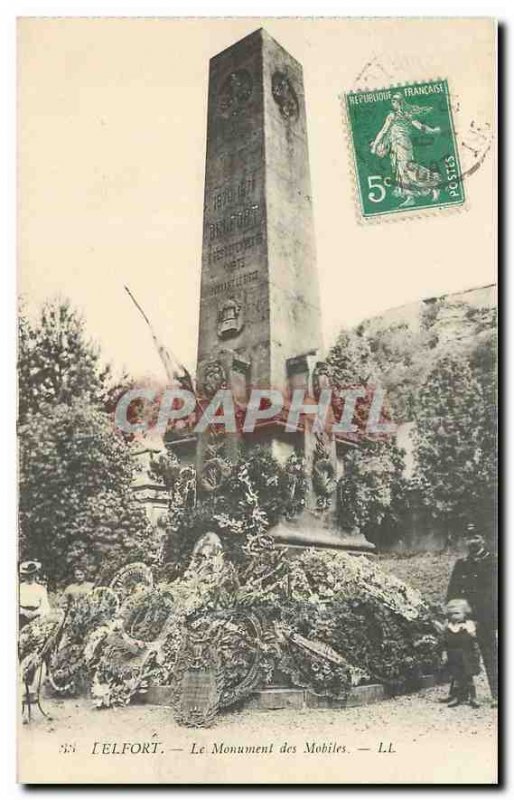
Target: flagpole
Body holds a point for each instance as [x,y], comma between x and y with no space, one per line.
[164,354]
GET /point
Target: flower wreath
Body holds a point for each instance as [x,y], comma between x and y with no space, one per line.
[127,578]
[135,607]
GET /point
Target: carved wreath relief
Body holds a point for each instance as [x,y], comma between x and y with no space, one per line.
[235,92]
[284,95]
[214,378]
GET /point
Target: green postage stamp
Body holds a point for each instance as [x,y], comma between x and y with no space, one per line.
[404,148]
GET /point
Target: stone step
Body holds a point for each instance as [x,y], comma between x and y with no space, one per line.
[156,696]
[276,698]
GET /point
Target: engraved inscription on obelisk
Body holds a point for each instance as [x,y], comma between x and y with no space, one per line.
[259,302]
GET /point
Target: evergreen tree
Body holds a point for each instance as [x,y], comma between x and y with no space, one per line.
[451,424]
[372,494]
[57,363]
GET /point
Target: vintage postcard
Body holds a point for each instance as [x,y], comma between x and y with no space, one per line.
[257,533]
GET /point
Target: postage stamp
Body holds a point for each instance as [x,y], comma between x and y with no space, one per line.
[404,148]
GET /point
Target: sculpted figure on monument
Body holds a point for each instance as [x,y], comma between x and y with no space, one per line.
[320,378]
[323,474]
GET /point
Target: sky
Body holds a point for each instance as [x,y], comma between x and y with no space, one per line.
[111,156]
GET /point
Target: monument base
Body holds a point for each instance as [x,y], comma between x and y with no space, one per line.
[313,527]
[308,531]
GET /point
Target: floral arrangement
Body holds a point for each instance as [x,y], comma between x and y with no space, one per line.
[329,620]
[36,641]
[144,614]
[68,673]
[379,628]
[243,609]
[122,667]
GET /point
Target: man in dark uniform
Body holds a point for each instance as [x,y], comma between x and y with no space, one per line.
[474,579]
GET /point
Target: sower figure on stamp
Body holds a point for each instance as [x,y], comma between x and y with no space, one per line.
[474,579]
[395,139]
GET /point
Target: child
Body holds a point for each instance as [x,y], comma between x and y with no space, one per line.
[462,653]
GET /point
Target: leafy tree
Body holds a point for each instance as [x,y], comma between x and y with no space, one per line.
[452,425]
[76,505]
[404,352]
[405,346]
[397,353]
[351,361]
[371,493]
[75,500]
[484,365]
[57,363]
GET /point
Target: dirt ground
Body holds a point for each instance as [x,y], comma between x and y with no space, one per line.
[407,739]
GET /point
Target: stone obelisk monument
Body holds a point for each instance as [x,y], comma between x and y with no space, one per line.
[259,303]
[260,319]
